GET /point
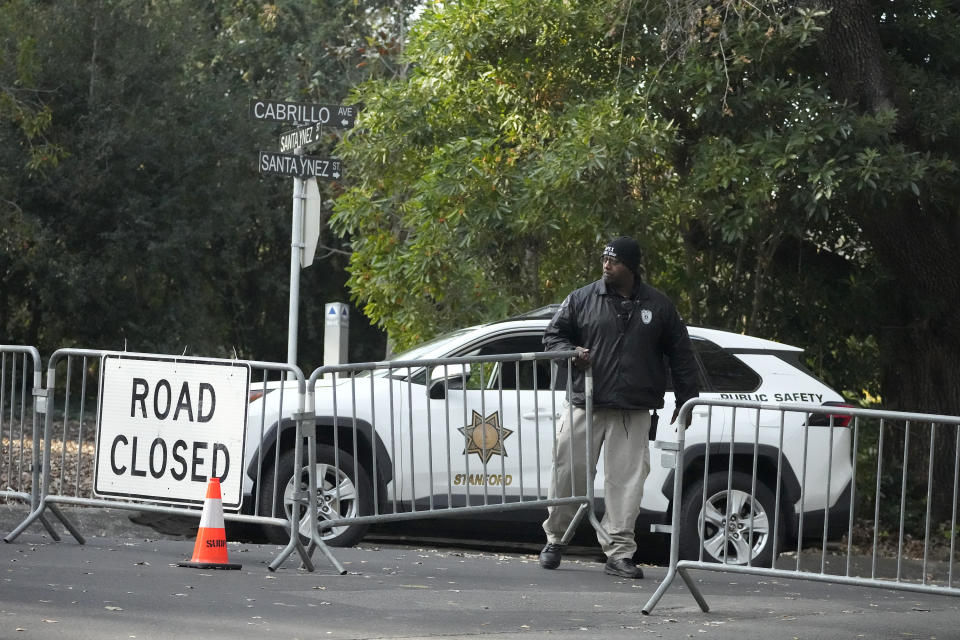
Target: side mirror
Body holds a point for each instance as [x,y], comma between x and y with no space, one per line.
[454,378]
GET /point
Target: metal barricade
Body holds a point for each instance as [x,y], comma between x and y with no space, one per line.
[71,416]
[19,426]
[849,496]
[441,438]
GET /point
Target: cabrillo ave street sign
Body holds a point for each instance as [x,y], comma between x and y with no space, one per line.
[286,164]
[329,115]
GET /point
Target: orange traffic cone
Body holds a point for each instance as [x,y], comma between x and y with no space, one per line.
[210,550]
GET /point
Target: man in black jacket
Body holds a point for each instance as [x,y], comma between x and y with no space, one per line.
[623,329]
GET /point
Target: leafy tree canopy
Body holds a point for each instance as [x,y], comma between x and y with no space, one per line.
[132,214]
[485,181]
[486,178]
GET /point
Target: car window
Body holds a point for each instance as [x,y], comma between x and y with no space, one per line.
[515,375]
[724,371]
[668,374]
[487,375]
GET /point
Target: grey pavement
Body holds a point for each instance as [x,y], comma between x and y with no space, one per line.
[125,584]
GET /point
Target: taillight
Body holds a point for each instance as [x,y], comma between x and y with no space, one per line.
[824,419]
[256,394]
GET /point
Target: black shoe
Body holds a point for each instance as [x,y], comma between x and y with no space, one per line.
[623,567]
[550,556]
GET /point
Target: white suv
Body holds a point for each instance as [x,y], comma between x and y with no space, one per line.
[484,434]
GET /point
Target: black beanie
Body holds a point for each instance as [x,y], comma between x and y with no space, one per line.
[626,250]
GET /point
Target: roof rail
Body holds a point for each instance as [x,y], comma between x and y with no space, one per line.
[543,313]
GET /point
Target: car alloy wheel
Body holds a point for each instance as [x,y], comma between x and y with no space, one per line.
[336,498]
[742,535]
[734,527]
[343,492]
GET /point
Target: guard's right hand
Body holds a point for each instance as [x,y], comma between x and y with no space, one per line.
[583,358]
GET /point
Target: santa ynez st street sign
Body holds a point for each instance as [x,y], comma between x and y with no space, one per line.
[287,164]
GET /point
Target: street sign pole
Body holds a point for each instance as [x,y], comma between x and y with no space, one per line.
[296,248]
[310,118]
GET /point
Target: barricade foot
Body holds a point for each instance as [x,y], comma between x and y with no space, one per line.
[602,534]
[281,558]
[30,519]
[694,590]
[74,531]
[662,589]
[305,561]
[575,522]
[667,581]
[326,551]
[46,525]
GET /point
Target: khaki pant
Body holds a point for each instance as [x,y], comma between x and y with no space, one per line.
[626,461]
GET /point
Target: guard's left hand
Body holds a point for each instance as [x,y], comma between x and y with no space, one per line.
[676,413]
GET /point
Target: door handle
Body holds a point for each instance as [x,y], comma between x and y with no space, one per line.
[540,415]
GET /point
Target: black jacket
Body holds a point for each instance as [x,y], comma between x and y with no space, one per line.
[629,341]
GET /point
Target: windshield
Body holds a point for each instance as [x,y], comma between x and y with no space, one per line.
[430,345]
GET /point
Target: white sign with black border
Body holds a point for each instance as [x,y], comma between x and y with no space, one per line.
[166,425]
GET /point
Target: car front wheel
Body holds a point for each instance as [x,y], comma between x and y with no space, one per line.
[732,527]
[342,492]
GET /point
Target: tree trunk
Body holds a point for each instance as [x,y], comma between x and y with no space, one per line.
[765,249]
[916,245]
[694,291]
[530,274]
[94,47]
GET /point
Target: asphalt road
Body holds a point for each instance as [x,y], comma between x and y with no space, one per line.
[126,585]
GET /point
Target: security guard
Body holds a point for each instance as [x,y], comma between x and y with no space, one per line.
[623,329]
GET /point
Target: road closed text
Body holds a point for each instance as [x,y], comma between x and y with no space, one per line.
[162,403]
[168,427]
[197,461]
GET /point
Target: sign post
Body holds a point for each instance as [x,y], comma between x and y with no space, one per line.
[296,249]
[310,118]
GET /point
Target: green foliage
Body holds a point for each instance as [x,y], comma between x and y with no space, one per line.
[21,102]
[500,143]
[132,215]
[762,159]
[485,181]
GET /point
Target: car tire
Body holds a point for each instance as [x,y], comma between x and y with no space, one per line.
[697,531]
[355,496]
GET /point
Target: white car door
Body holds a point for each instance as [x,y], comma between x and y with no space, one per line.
[483,432]
[703,420]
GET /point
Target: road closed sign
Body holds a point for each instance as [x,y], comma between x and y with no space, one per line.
[167,426]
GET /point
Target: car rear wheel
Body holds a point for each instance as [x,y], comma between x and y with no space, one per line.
[343,492]
[732,527]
